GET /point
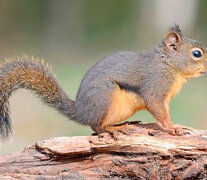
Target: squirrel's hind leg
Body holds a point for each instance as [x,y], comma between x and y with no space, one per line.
[123,105]
[114,130]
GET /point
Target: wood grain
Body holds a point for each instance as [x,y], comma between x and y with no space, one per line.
[147,153]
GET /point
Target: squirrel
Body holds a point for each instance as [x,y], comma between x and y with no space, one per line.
[115,87]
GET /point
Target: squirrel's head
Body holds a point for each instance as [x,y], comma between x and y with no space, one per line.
[186,56]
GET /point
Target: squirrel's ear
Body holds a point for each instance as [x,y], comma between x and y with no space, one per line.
[171,40]
[173,37]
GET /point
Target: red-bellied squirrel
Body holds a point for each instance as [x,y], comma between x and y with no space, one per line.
[114,88]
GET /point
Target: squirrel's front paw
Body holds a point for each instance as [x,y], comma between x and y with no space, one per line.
[171,132]
[180,131]
[175,131]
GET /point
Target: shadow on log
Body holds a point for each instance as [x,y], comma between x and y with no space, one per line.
[147,153]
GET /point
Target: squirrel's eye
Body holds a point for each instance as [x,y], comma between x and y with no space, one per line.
[196,54]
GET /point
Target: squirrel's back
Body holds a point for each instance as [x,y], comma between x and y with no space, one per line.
[120,66]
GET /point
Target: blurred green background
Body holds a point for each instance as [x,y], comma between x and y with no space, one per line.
[71,35]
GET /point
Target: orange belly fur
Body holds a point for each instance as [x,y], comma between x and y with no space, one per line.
[123,105]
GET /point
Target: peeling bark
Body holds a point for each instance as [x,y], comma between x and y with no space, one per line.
[147,153]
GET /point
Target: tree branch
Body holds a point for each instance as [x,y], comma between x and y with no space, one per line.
[147,153]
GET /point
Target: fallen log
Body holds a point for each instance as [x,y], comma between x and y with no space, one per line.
[147,153]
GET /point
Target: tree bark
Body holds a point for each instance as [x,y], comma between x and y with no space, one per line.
[148,152]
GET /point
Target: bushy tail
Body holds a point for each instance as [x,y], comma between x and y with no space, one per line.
[30,74]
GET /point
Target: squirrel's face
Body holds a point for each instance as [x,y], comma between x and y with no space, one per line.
[186,56]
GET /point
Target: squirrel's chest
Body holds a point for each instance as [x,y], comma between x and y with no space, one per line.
[175,88]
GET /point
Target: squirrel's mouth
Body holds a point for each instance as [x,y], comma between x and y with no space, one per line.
[202,72]
[197,74]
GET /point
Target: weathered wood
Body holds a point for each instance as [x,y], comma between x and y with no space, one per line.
[147,153]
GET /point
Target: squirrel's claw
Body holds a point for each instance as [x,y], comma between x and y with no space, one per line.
[116,129]
[177,131]
[180,131]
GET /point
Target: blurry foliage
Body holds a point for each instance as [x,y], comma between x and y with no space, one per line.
[103,17]
[22,22]
[23,16]
[100,24]
[201,25]
[202,14]
[109,23]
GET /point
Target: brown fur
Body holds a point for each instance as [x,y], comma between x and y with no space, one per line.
[29,74]
[123,105]
[35,78]
[175,88]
